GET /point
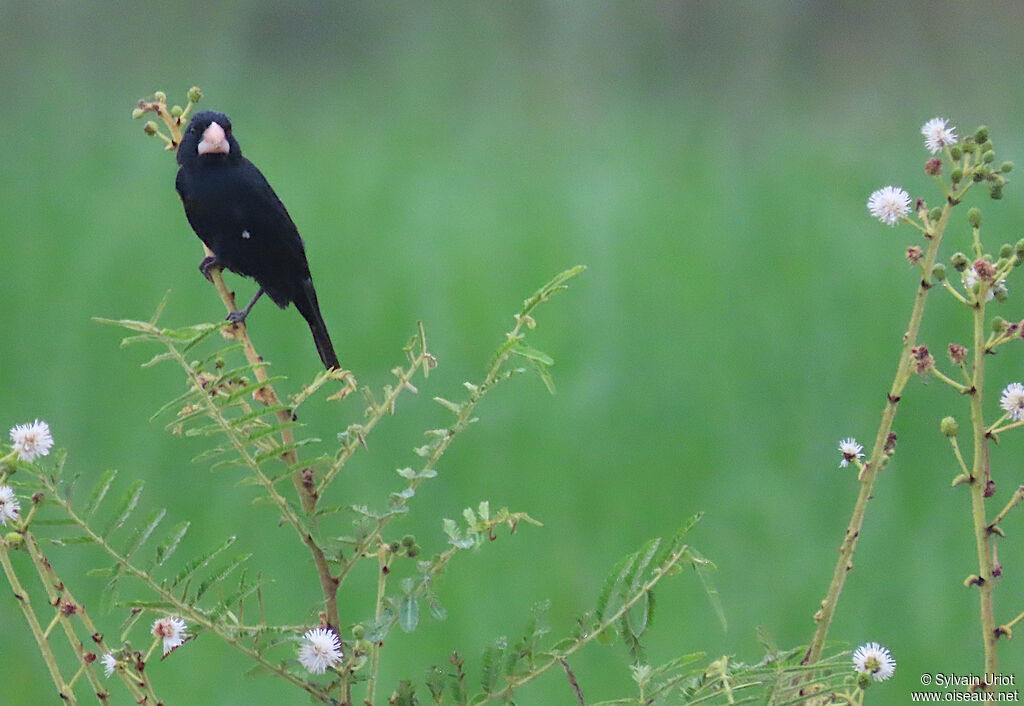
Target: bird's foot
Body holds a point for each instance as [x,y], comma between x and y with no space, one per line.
[237,317]
[209,263]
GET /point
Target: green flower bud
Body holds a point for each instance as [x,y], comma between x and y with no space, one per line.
[1005,250]
[194,94]
[995,192]
[989,156]
[981,134]
[14,540]
[150,128]
[413,551]
[949,427]
[959,261]
[394,547]
[1006,167]
[137,113]
[957,175]
[956,152]
[935,214]
[998,324]
[408,540]
[939,272]
[160,97]
[986,146]
[358,631]
[974,217]
[176,111]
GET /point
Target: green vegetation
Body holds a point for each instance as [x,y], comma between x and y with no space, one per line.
[740,313]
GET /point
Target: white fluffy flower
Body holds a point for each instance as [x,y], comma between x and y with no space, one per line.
[32,440]
[320,650]
[1012,401]
[889,204]
[9,505]
[938,134]
[109,663]
[172,630]
[875,660]
[850,450]
[971,279]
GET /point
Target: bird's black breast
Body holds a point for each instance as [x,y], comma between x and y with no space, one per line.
[236,213]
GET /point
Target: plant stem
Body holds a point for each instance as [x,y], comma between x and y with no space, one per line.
[878,452]
[979,485]
[382,576]
[514,683]
[58,598]
[66,694]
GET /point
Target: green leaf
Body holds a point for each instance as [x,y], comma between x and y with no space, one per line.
[194,565]
[545,377]
[703,568]
[409,613]
[533,354]
[452,407]
[219,576]
[437,611]
[128,502]
[171,542]
[492,661]
[100,491]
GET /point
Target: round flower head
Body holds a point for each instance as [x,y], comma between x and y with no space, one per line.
[1012,401]
[109,663]
[971,279]
[889,204]
[9,505]
[875,660]
[172,630]
[32,440]
[320,650]
[937,134]
[851,451]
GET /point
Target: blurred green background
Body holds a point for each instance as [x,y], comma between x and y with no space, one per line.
[741,312]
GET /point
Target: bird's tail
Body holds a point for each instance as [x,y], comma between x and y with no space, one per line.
[307,305]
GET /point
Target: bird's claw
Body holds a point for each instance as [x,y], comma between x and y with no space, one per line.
[209,262]
[237,317]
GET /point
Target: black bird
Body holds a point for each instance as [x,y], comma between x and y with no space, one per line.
[232,209]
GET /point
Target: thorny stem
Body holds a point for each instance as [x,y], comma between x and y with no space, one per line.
[383,559]
[187,611]
[328,584]
[1015,499]
[464,416]
[877,459]
[979,482]
[59,596]
[423,359]
[557,658]
[66,694]
[301,477]
[576,690]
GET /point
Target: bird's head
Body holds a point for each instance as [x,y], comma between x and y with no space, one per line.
[208,137]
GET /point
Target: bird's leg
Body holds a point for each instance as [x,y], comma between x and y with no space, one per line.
[209,262]
[237,317]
